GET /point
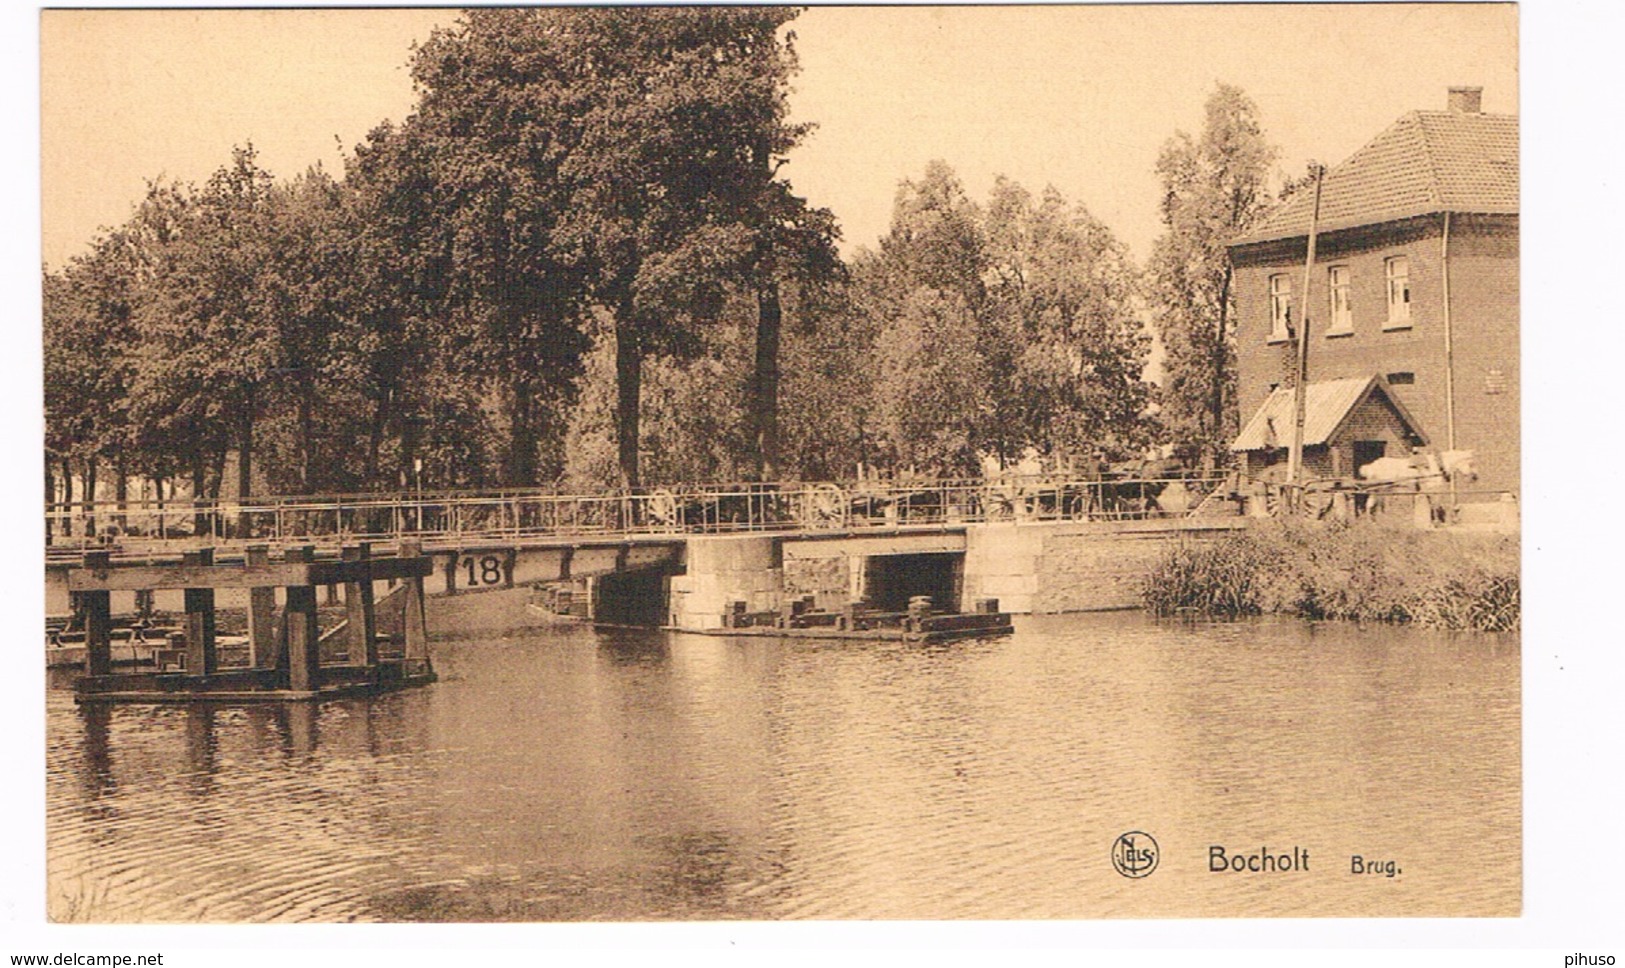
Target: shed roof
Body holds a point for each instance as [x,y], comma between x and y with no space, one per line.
[1426,162]
[1327,406]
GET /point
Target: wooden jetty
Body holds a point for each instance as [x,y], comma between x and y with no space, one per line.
[284,658]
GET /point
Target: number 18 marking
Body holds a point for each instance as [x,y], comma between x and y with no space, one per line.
[490,571]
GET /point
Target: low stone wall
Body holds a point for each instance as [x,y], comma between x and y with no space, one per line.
[827,580]
[1072,566]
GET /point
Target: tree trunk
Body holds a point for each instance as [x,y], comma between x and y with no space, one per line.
[765,405]
[628,390]
[217,480]
[411,425]
[375,437]
[121,494]
[50,500]
[67,498]
[90,496]
[245,462]
[307,432]
[158,495]
[200,491]
[1216,444]
[520,466]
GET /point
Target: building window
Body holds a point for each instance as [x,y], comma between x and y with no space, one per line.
[1398,272]
[1337,280]
[1280,307]
[1402,379]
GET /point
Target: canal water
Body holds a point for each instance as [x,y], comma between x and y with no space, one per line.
[565,773]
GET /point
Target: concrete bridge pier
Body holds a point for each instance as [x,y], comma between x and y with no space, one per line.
[722,570]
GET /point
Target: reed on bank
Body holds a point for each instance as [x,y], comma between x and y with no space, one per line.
[1363,571]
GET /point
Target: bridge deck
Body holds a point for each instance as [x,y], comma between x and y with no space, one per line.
[464,521]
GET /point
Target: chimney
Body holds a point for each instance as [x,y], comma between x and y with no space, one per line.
[1467,100]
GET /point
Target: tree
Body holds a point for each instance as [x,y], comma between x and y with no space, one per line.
[92,343]
[1001,330]
[472,182]
[1214,191]
[934,386]
[86,309]
[925,303]
[209,341]
[828,427]
[673,196]
[307,293]
[1068,349]
[936,238]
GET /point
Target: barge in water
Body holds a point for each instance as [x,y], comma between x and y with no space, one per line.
[856,621]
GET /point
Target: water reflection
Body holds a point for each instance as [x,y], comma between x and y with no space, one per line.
[201,748]
[96,774]
[632,775]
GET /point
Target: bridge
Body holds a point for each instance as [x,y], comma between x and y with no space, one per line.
[686,555]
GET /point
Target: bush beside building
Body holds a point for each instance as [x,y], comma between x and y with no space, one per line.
[1365,572]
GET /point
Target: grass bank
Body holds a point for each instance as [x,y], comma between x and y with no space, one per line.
[1362,571]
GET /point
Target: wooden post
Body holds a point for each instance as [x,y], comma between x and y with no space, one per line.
[1300,381]
[262,648]
[98,609]
[358,606]
[919,606]
[415,624]
[299,617]
[201,656]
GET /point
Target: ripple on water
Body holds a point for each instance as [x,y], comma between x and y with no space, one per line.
[575,775]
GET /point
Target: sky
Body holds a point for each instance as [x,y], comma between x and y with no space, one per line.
[1078,97]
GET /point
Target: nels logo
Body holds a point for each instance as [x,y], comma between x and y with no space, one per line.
[1134,854]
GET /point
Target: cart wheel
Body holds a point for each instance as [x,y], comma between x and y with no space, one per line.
[823,506]
[1317,503]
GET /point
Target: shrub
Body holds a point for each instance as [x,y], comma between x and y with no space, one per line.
[1364,572]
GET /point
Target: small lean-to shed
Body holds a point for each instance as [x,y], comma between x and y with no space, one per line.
[1347,424]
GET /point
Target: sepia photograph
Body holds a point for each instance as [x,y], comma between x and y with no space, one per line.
[724,463]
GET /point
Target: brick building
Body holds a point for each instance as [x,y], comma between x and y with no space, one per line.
[1415,284]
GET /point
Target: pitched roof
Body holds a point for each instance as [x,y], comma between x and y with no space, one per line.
[1326,406]
[1426,162]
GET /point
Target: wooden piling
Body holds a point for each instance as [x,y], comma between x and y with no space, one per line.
[415,625]
[262,646]
[202,658]
[358,604]
[299,617]
[98,611]
[919,607]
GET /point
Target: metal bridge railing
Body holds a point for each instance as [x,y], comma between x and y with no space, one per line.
[470,517]
[1396,501]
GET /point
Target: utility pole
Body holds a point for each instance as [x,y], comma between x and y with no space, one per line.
[1300,389]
